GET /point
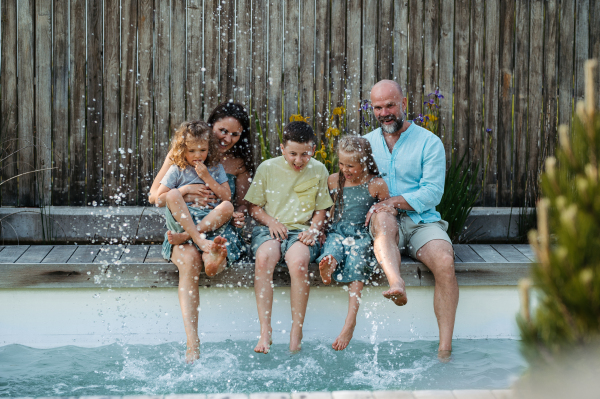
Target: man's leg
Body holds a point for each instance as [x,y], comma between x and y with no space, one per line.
[267,257]
[438,256]
[297,259]
[385,243]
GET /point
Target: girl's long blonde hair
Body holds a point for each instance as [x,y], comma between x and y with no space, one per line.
[199,130]
[361,148]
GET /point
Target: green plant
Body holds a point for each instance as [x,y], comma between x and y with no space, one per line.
[262,139]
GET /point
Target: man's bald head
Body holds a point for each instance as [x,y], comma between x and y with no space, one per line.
[386,88]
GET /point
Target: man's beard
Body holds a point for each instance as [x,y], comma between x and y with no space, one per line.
[394,127]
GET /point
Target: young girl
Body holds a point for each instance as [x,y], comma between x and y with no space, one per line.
[347,255]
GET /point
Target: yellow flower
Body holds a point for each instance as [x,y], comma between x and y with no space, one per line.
[332,132]
[339,111]
[432,117]
[298,118]
[322,153]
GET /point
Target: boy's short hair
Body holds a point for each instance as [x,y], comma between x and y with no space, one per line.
[298,132]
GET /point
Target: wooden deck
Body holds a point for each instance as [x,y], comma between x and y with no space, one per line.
[122,266]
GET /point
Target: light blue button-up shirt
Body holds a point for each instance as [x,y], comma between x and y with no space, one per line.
[416,169]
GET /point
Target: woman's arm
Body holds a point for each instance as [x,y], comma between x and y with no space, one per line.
[242,184]
[153,196]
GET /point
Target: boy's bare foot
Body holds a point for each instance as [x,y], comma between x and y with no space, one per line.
[342,341]
[397,294]
[177,238]
[215,257]
[264,343]
[326,268]
[192,352]
[296,339]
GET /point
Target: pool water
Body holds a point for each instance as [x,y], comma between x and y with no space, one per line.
[233,367]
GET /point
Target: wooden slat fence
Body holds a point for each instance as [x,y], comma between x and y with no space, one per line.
[95,88]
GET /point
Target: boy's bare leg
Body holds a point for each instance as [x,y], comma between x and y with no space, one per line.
[188,261]
[354,295]
[385,244]
[267,257]
[297,259]
[327,266]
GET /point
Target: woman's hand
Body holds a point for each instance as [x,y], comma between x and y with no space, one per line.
[199,194]
[239,219]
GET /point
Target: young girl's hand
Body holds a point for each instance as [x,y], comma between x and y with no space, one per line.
[308,237]
[278,231]
[202,171]
[199,194]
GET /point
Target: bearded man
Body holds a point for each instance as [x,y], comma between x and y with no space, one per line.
[412,162]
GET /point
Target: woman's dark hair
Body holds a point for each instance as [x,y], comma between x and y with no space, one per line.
[243,148]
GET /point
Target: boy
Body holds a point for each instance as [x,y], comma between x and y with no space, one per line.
[285,194]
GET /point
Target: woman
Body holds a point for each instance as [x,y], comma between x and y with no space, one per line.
[231,126]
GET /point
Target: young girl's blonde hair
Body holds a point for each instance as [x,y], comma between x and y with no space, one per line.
[361,149]
[194,130]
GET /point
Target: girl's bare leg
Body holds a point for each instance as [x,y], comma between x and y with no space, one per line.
[267,257]
[215,219]
[188,261]
[354,294]
[297,259]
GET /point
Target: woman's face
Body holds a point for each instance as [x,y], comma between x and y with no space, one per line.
[228,132]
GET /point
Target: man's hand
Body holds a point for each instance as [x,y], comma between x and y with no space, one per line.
[380,207]
[309,237]
[199,194]
[239,220]
[278,231]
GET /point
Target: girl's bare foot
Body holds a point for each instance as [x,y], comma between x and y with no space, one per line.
[215,258]
[326,268]
[192,352]
[177,238]
[295,339]
[397,294]
[444,356]
[342,341]
[264,342]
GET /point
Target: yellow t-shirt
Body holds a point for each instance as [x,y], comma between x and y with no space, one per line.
[289,196]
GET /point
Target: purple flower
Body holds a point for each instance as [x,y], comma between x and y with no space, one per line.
[488,130]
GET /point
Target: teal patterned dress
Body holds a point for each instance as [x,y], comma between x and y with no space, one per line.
[348,240]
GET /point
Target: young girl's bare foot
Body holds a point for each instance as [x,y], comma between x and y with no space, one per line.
[265,341]
[296,339]
[342,341]
[177,238]
[192,352]
[397,294]
[214,256]
[326,268]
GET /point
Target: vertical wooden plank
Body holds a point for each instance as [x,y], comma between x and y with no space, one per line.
[144,105]
[401,43]
[307,60]
[550,78]
[194,59]
[521,85]
[476,58]
[290,73]
[77,101]
[178,65]
[565,62]
[9,107]
[211,57]
[337,55]
[60,103]
[386,37]
[415,59]
[507,22]
[274,75]
[128,140]
[321,66]
[112,97]
[162,54]
[430,46]
[369,46]
[461,98]
[243,53]
[535,95]
[25,108]
[446,75]
[595,40]
[490,137]
[227,37]
[259,73]
[582,46]
[353,75]
[95,100]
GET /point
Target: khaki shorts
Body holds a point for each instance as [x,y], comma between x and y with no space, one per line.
[412,236]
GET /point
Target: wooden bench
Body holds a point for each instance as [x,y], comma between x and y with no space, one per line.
[138,266]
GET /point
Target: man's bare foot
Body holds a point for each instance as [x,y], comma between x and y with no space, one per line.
[192,352]
[177,238]
[215,258]
[264,342]
[444,356]
[326,268]
[342,341]
[397,294]
[296,339]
